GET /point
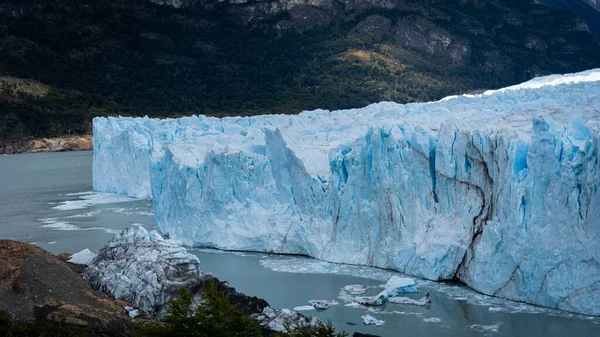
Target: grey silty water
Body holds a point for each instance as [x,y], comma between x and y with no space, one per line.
[45,199]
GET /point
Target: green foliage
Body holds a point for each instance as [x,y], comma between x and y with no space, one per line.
[72,60]
[217,317]
[322,330]
[10,328]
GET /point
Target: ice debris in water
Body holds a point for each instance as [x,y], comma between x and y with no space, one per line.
[277,319]
[432,320]
[304,308]
[425,300]
[395,286]
[355,289]
[90,199]
[370,320]
[486,328]
[83,257]
[322,304]
[439,190]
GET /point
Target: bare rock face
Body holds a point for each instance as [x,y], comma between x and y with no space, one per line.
[535,43]
[372,28]
[76,143]
[37,286]
[303,18]
[422,35]
[173,3]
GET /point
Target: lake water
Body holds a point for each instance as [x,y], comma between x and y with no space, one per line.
[45,199]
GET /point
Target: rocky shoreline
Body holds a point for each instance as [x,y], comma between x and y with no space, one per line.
[57,144]
[47,291]
[37,287]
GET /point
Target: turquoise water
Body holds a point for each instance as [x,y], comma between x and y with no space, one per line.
[45,200]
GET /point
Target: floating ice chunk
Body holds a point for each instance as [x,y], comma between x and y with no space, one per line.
[432,320]
[486,328]
[355,289]
[84,215]
[58,225]
[304,308]
[106,230]
[425,300]
[369,300]
[83,257]
[313,266]
[370,320]
[277,319]
[90,199]
[396,285]
[322,304]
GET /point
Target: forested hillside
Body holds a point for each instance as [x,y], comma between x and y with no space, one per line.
[62,62]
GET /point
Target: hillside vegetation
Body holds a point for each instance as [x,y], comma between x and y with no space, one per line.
[62,62]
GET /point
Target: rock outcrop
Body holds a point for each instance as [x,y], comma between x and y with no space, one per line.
[76,143]
[143,269]
[37,286]
[147,271]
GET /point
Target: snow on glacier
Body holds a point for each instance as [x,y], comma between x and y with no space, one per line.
[498,190]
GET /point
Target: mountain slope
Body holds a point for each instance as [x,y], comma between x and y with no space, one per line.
[64,62]
[586,10]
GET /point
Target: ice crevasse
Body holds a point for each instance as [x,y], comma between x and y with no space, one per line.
[499,190]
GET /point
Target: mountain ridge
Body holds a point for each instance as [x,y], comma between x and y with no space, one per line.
[586,10]
[64,62]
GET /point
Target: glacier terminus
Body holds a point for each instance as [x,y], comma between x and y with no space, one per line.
[500,191]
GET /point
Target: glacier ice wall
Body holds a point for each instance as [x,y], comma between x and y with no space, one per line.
[498,190]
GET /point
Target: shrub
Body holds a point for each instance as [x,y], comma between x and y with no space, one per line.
[217,317]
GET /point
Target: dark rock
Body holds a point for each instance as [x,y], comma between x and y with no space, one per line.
[37,286]
[303,18]
[173,3]
[248,304]
[459,53]
[535,43]
[372,28]
[422,35]
[472,26]
[358,334]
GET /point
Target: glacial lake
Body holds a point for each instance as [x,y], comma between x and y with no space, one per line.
[46,199]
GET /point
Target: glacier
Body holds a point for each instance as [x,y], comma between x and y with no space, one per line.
[499,191]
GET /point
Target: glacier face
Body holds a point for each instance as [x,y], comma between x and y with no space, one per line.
[498,190]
